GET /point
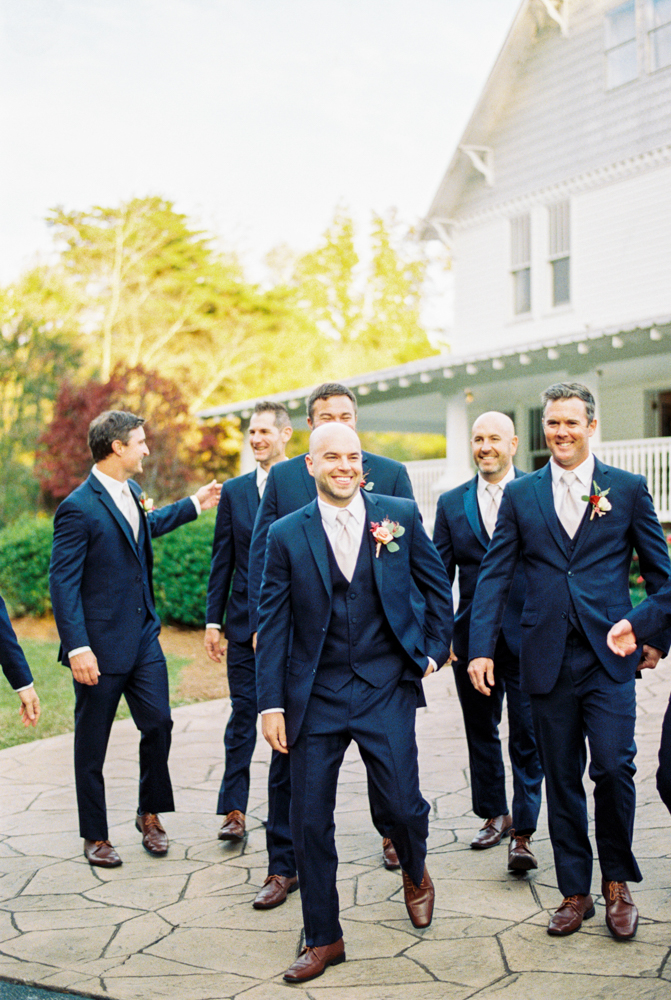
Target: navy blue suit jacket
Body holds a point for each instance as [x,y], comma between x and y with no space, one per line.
[462,541]
[236,513]
[297,597]
[96,577]
[290,487]
[595,577]
[14,663]
[652,615]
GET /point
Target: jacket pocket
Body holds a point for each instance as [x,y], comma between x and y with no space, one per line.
[529,616]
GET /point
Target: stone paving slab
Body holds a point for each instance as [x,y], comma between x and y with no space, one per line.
[183,928]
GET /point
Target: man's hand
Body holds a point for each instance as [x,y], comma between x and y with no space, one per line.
[254,635]
[30,706]
[208,496]
[481,673]
[85,667]
[650,657]
[621,639]
[215,644]
[274,731]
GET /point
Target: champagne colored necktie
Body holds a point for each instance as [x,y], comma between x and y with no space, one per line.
[344,548]
[570,512]
[492,510]
[130,511]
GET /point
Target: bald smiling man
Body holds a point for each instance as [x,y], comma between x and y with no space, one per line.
[337,580]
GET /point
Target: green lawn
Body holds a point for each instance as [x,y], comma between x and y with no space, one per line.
[54,686]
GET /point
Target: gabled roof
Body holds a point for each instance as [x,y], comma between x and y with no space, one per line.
[520,37]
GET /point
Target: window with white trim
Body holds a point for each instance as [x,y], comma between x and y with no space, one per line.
[559,242]
[620,45]
[659,33]
[520,263]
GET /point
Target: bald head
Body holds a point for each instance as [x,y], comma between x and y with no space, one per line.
[493,442]
[334,461]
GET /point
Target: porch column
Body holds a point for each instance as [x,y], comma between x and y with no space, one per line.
[458,434]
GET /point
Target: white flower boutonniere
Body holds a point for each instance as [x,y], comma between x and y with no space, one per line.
[384,533]
[600,504]
[146,503]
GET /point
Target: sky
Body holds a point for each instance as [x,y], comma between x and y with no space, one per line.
[255,117]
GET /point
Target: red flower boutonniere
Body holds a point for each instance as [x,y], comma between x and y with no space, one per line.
[600,503]
[384,533]
[146,503]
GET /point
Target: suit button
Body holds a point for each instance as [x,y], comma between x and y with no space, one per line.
[570,573]
[563,614]
[139,611]
[138,578]
[352,596]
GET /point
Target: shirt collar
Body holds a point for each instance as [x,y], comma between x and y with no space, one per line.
[584,472]
[483,483]
[356,507]
[113,486]
[262,474]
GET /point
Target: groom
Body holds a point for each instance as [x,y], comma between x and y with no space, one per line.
[572,525]
[340,657]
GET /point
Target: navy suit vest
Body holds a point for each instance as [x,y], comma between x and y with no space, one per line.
[359,639]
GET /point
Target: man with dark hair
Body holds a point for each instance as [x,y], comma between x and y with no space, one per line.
[227,599]
[573,525]
[465,521]
[16,670]
[290,487]
[103,600]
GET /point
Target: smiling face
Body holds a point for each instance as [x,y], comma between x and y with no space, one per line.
[567,431]
[335,409]
[335,462]
[267,440]
[130,455]
[493,443]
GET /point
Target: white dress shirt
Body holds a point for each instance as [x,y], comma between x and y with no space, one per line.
[584,474]
[484,498]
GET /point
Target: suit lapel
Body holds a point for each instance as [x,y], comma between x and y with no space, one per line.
[106,499]
[602,477]
[252,495]
[545,497]
[373,513]
[473,514]
[316,536]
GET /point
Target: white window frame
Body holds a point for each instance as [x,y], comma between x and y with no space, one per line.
[520,259]
[618,47]
[652,30]
[559,246]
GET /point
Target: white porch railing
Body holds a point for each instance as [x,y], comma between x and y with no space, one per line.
[649,457]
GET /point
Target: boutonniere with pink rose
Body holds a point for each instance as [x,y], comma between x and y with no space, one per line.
[600,504]
[146,503]
[384,532]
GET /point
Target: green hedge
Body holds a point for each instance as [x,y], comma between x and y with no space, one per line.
[181,569]
[25,551]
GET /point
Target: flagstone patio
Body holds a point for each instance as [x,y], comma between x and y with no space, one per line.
[183,926]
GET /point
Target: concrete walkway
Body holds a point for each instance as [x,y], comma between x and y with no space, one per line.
[183,926]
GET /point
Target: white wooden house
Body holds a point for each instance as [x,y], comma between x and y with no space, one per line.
[557,208]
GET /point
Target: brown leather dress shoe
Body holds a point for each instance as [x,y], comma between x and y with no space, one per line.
[492,832]
[569,916]
[520,856]
[313,961]
[389,855]
[101,853]
[621,913]
[419,899]
[274,891]
[154,837]
[233,827]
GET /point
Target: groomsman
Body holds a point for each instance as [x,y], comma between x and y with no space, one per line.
[290,487]
[227,599]
[340,657]
[573,526]
[103,599]
[16,670]
[465,521]
[641,624]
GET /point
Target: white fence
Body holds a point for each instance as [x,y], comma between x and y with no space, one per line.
[649,457]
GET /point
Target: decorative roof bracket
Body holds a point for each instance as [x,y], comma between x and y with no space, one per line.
[557,11]
[482,158]
[443,228]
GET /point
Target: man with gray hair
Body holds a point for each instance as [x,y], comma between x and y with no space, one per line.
[573,525]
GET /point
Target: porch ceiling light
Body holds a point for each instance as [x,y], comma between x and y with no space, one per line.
[425,378]
[471,369]
[246,414]
[553,355]
[363,390]
[294,404]
[655,334]
[617,342]
[525,359]
[382,386]
[583,348]
[403,382]
[498,364]
[468,396]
